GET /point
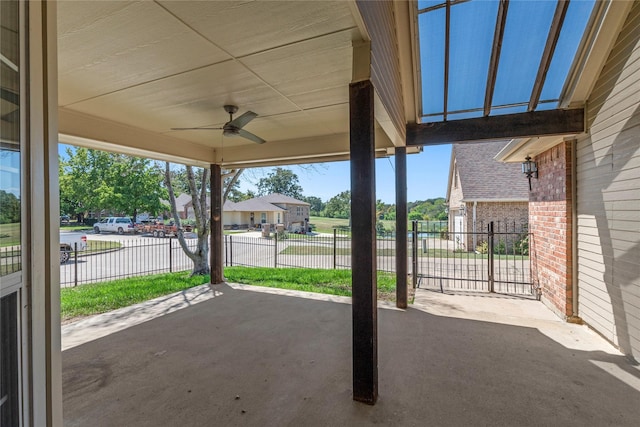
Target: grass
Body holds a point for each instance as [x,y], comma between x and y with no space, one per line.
[94,246]
[333,282]
[431,253]
[91,299]
[326,225]
[98,298]
[9,234]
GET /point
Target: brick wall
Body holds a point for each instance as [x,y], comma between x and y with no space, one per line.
[550,221]
[507,217]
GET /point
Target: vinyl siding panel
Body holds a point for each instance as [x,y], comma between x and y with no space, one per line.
[608,197]
[379,19]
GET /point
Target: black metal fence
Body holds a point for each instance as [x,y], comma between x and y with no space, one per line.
[326,250]
[107,260]
[500,262]
[492,260]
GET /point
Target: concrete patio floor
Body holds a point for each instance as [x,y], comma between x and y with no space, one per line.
[251,357]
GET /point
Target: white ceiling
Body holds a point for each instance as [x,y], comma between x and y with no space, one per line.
[154,65]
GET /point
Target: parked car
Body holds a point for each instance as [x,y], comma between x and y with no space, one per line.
[69,242]
[114,224]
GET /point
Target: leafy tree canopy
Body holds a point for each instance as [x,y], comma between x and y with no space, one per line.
[9,208]
[339,206]
[92,180]
[282,181]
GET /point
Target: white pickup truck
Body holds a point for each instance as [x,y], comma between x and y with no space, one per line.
[114,224]
[68,242]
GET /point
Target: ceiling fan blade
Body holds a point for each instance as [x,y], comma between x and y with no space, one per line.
[251,137]
[196,128]
[242,120]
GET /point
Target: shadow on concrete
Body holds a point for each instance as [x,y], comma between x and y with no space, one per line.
[256,359]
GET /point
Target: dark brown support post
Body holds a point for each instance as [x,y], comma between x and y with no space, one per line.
[215,250]
[401,227]
[363,243]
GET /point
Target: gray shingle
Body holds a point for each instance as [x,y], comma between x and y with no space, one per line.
[484,178]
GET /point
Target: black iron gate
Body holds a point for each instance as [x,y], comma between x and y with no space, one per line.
[495,260]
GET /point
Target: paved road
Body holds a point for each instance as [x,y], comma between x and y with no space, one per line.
[143,255]
[138,255]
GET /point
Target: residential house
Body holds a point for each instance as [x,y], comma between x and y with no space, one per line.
[270,209]
[482,190]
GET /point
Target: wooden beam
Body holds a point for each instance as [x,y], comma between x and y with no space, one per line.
[363,244]
[520,125]
[401,227]
[547,54]
[215,250]
[498,36]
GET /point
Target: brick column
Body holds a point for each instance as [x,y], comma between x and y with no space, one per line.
[550,221]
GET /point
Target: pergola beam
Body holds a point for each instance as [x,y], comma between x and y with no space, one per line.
[520,125]
[498,36]
[547,54]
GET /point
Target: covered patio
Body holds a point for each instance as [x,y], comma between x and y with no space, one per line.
[260,357]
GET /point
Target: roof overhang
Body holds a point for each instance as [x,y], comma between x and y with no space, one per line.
[131,71]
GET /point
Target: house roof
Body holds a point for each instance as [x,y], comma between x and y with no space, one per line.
[251,205]
[262,204]
[482,177]
[281,198]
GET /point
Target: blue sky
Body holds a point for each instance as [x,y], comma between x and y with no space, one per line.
[427,174]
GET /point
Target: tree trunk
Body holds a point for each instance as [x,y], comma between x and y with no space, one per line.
[200,256]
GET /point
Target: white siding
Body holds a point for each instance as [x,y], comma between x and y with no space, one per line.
[608,196]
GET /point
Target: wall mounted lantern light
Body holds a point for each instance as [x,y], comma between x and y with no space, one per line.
[529,169]
[463,209]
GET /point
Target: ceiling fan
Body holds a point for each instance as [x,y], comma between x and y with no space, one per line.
[234,127]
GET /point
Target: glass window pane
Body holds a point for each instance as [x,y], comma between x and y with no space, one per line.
[432,60]
[10,209]
[572,32]
[526,31]
[471,38]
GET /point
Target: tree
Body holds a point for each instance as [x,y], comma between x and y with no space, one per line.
[9,208]
[317,206]
[92,180]
[198,190]
[282,181]
[138,185]
[339,206]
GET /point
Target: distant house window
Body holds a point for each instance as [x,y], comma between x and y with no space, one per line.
[298,210]
[263,217]
[278,217]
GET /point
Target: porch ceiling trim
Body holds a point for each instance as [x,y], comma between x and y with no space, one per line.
[534,123]
[81,129]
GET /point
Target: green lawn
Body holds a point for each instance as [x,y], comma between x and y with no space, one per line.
[9,234]
[87,300]
[431,253]
[333,282]
[326,225]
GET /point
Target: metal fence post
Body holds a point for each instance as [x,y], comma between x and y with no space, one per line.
[231,250]
[414,254]
[335,251]
[225,251]
[170,256]
[75,264]
[275,251]
[490,238]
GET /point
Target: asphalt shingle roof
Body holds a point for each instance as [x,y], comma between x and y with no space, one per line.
[484,178]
